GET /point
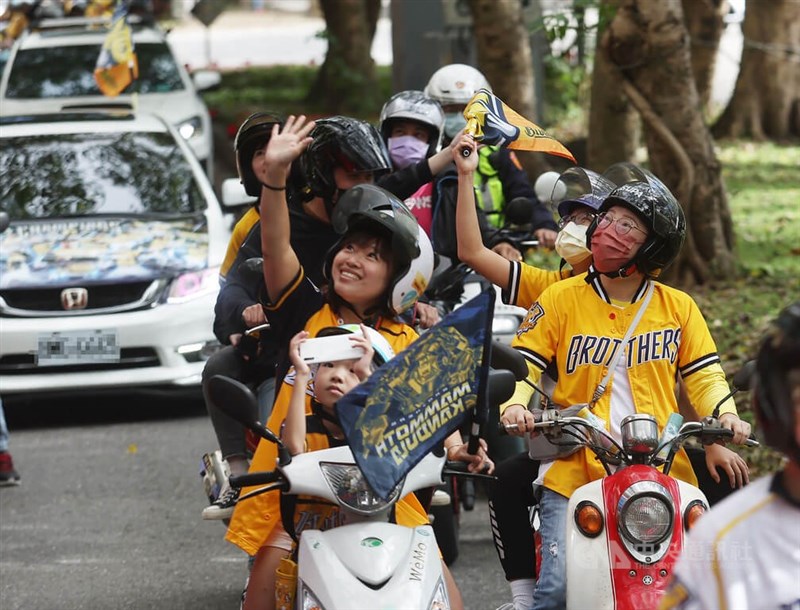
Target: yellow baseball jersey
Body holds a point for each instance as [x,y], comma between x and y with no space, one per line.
[575,324]
[240,232]
[526,283]
[253,519]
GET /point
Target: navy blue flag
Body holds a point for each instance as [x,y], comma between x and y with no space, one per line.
[414,401]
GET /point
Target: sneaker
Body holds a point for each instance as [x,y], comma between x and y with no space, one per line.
[8,476]
[440,498]
[223,507]
[507,606]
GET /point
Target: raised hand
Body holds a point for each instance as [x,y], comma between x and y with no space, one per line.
[285,145]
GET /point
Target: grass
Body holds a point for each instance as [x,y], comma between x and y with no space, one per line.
[764,199]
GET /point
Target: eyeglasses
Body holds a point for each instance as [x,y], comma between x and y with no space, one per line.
[622,226]
[579,218]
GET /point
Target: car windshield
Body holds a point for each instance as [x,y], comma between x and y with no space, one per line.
[69,175]
[68,71]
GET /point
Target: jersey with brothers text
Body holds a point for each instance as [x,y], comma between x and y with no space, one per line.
[575,324]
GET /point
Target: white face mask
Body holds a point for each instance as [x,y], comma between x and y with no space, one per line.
[571,243]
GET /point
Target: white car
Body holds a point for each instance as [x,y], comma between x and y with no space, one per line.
[109,261]
[51,68]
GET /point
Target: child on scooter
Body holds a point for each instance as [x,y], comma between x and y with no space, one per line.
[300,433]
[328,383]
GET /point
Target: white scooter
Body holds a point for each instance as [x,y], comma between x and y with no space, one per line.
[367,563]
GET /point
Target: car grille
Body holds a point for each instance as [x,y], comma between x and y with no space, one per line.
[102,299]
[130,358]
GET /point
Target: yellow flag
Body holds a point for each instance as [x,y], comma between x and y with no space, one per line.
[117,66]
[491,122]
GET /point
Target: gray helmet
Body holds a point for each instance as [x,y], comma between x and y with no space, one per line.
[661,213]
[414,106]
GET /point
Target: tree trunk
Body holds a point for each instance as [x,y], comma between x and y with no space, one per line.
[614,125]
[649,43]
[704,20]
[504,57]
[766,99]
[346,82]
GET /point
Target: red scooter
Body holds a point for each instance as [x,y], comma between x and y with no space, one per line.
[626,530]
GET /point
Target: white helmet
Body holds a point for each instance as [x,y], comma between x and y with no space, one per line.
[411,284]
[455,84]
[414,106]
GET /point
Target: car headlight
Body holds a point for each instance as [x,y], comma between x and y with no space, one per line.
[191,128]
[193,284]
[646,519]
[351,488]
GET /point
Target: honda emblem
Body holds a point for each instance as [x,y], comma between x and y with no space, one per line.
[74,298]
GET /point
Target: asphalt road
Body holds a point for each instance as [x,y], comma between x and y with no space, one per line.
[108,514]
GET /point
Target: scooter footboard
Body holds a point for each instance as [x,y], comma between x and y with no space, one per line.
[369,566]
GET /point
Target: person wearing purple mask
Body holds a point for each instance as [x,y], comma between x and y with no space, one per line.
[412,125]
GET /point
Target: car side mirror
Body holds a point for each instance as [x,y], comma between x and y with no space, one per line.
[234,195]
[206,80]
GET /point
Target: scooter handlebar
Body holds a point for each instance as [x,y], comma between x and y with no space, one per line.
[255,478]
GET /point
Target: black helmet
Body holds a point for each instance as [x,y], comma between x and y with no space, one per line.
[777,377]
[253,134]
[661,213]
[414,106]
[344,142]
[365,205]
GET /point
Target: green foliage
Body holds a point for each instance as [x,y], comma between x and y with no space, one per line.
[566,94]
[763,197]
[762,182]
[283,89]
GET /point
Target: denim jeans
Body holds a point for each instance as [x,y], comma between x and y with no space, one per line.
[551,588]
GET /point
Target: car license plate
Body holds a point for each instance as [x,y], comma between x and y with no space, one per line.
[78,347]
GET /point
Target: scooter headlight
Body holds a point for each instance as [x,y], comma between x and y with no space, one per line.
[349,485]
[646,519]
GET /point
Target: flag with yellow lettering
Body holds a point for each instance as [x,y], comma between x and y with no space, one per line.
[414,401]
[117,66]
[491,122]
